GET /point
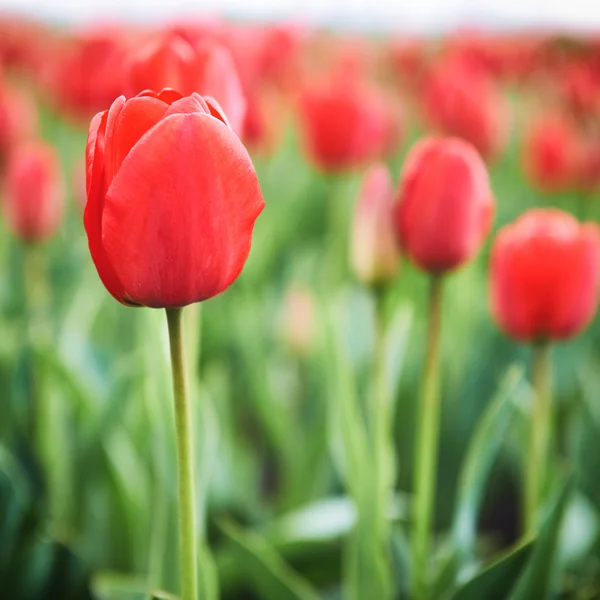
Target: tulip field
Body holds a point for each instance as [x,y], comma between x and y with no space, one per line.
[295,314]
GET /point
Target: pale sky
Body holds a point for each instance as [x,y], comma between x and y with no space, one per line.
[424,15]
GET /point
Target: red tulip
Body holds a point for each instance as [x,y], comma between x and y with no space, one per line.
[88,74]
[545,276]
[33,205]
[580,88]
[346,123]
[207,68]
[446,206]
[460,100]
[18,118]
[588,165]
[172,198]
[550,151]
[375,254]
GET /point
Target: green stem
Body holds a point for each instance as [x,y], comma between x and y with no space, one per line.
[540,434]
[428,425]
[185,460]
[381,427]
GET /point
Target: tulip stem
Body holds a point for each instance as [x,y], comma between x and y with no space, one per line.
[540,433]
[428,424]
[185,460]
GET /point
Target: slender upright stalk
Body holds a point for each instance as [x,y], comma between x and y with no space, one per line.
[185,460]
[540,434]
[381,426]
[428,425]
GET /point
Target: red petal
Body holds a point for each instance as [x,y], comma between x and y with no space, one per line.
[188,105]
[178,218]
[110,154]
[216,110]
[135,119]
[92,152]
[92,217]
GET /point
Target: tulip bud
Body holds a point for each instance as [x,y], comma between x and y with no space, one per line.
[33,205]
[346,123]
[18,118]
[446,206]
[172,197]
[545,276]
[375,253]
[550,151]
[207,68]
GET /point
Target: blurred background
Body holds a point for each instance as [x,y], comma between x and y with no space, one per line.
[281,362]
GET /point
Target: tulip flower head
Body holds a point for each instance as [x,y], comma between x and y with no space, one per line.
[545,276]
[551,148]
[346,123]
[462,101]
[207,68]
[375,253]
[445,207]
[34,198]
[172,197]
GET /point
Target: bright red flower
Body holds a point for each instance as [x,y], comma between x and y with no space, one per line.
[550,150]
[375,254]
[460,100]
[346,123]
[170,60]
[34,198]
[446,206]
[545,276]
[172,198]
[88,72]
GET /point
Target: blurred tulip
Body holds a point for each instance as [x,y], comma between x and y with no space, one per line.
[446,206]
[549,153]
[545,276]
[172,199]
[207,68]
[374,253]
[346,123]
[580,89]
[462,101]
[18,118]
[33,204]
[88,74]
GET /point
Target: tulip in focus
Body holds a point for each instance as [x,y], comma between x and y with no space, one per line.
[446,206]
[545,276]
[375,254]
[33,204]
[170,60]
[172,197]
[346,123]
[550,151]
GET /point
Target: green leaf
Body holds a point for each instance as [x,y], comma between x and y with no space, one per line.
[496,581]
[536,580]
[481,453]
[264,569]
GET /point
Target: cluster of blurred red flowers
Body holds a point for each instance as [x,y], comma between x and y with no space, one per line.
[352,101]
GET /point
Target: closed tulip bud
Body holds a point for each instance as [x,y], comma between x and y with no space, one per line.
[550,151]
[446,207]
[33,204]
[346,123]
[375,253]
[207,68]
[18,118]
[172,197]
[545,276]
